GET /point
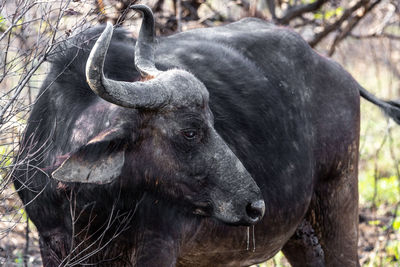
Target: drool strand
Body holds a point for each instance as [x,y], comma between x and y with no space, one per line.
[248,238]
[254,240]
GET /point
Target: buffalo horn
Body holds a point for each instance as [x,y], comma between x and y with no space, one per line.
[144,49]
[150,94]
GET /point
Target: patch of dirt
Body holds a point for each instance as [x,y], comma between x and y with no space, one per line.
[378,240]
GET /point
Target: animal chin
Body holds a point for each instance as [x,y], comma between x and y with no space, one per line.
[203,208]
[200,212]
[233,220]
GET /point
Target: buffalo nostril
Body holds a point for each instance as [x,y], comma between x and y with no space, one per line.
[256,209]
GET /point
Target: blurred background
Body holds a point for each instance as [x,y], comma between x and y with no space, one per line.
[362,35]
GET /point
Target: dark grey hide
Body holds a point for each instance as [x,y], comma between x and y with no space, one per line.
[135,188]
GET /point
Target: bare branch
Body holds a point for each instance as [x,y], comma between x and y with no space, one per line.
[376,35]
[179,15]
[352,23]
[334,26]
[298,10]
[15,23]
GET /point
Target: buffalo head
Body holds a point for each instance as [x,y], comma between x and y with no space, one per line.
[176,150]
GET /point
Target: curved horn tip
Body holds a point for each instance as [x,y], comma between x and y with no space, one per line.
[95,62]
[108,30]
[108,25]
[144,48]
[106,35]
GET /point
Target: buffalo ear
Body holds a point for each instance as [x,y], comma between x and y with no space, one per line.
[100,161]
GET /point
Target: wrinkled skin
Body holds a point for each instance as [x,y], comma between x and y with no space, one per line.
[290,116]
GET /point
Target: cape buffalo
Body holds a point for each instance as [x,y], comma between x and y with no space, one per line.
[174,162]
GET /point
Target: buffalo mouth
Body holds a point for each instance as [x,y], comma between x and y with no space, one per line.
[203,208]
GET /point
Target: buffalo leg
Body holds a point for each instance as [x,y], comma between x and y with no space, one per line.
[54,247]
[155,251]
[157,234]
[304,249]
[331,222]
[337,219]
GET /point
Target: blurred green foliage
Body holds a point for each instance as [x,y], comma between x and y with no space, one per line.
[5,160]
[328,14]
[2,24]
[386,189]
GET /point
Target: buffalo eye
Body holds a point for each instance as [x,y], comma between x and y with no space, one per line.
[189,134]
